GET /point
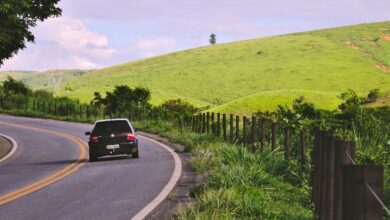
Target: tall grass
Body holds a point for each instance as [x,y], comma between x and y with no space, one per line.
[238,183]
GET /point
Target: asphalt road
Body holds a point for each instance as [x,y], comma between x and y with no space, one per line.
[114,188]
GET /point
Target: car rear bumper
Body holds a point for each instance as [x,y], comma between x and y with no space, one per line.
[100,149]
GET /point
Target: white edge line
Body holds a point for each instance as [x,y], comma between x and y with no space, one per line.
[12,151]
[167,189]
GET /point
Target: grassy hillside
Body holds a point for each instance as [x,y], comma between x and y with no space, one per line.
[49,80]
[320,64]
[270,100]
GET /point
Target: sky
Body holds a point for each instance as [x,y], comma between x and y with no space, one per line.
[92,34]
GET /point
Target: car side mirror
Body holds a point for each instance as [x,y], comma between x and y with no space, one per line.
[88,133]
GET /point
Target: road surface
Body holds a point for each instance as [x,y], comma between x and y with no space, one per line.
[49,176]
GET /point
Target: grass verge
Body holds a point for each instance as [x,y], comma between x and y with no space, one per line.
[239,184]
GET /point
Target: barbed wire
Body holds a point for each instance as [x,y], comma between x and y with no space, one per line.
[371,189]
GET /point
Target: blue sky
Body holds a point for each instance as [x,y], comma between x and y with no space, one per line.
[98,33]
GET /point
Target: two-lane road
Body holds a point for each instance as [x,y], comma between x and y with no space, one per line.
[49,176]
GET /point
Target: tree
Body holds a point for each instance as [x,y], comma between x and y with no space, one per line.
[213,39]
[14,87]
[16,17]
[179,106]
[123,99]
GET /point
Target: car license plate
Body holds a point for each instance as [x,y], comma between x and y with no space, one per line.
[114,146]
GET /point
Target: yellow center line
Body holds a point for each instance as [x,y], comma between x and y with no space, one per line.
[33,187]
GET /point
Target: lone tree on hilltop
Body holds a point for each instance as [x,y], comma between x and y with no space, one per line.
[213,39]
[16,17]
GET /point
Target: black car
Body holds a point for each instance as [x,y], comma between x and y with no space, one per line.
[112,137]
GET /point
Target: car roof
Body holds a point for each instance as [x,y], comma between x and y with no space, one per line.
[113,119]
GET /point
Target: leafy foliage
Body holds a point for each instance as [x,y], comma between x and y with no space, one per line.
[123,99]
[180,107]
[12,87]
[213,39]
[16,17]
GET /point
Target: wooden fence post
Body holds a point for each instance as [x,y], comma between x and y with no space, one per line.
[329,189]
[231,129]
[197,124]
[316,158]
[274,127]
[287,143]
[218,124]
[224,126]
[81,111]
[302,150]
[193,123]
[180,123]
[87,112]
[237,128]
[244,130]
[358,201]
[213,123]
[262,133]
[253,132]
[200,123]
[203,122]
[342,148]
[208,122]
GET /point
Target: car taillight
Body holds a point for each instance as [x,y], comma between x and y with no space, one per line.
[95,139]
[130,137]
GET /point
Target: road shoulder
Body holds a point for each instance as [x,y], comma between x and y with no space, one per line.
[180,196]
[7,146]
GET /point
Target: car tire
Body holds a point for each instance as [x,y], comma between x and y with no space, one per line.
[135,154]
[92,157]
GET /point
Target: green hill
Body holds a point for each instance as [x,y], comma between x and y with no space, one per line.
[50,80]
[251,74]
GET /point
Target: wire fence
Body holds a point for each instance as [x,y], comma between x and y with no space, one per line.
[374,194]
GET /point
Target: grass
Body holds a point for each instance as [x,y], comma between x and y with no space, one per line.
[239,184]
[269,101]
[322,62]
[49,80]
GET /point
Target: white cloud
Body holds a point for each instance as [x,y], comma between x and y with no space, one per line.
[156,46]
[63,43]
[66,43]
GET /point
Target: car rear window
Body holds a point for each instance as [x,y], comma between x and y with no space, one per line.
[111,127]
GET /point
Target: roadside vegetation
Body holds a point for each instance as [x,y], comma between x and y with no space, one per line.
[239,183]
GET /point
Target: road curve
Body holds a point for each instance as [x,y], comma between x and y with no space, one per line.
[48,177]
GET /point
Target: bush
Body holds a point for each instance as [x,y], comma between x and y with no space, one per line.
[179,107]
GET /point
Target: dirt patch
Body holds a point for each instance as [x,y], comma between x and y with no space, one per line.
[5,147]
[386,37]
[382,67]
[351,44]
[312,46]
